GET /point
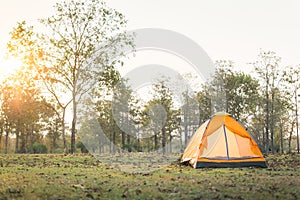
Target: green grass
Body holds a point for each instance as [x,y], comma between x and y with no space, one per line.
[83,177]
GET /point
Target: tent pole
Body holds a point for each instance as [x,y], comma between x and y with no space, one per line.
[226,141]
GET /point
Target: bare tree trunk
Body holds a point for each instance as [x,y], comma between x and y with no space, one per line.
[55,134]
[281,136]
[31,134]
[123,139]
[139,139]
[114,141]
[267,114]
[272,119]
[73,130]
[163,140]
[23,136]
[290,138]
[200,116]
[263,137]
[128,143]
[185,119]
[281,127]
[181,144]
[6,139]
[63,131]
[185,133]
[23,139]
[155,141]
[170,140]
[148,144]
[17,142]
[18,138]
[1,132]
[110,142]
[297,122]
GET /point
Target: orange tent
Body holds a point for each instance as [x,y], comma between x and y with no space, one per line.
[223,141]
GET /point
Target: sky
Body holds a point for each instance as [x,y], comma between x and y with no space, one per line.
[226,29]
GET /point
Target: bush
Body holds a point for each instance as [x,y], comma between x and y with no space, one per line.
[83,149]
[39,148]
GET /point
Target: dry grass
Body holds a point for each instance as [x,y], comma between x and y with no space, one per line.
[84,177]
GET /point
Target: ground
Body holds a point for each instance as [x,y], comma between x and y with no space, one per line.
[84,177]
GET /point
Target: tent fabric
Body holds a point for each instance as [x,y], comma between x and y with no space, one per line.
[222,141]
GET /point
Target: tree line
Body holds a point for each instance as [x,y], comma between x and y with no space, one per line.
[58,67]
[73,65]
[265,101]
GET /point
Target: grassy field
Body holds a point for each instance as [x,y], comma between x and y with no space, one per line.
[84,177]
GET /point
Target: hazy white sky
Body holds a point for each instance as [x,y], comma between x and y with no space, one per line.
[226,29]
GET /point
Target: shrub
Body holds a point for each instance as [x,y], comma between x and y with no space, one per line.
[83,149]
[39,148]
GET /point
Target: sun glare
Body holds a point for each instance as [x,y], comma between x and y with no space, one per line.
[9,66]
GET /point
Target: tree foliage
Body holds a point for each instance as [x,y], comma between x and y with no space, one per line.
[83,37]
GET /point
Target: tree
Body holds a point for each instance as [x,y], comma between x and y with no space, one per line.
[239,89]
[284,106]
[173,126]
[121,111]
[101,98]
[53,129]
[80,35]
[125,113]
[152,117]
[203,98]
[160,116]
[1,126]
[136,119]
[217,86]
[112,102]
[107,123]
[23,107]
[163,96]
[292,78]
[24,87]
[190,115]
[267,67]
